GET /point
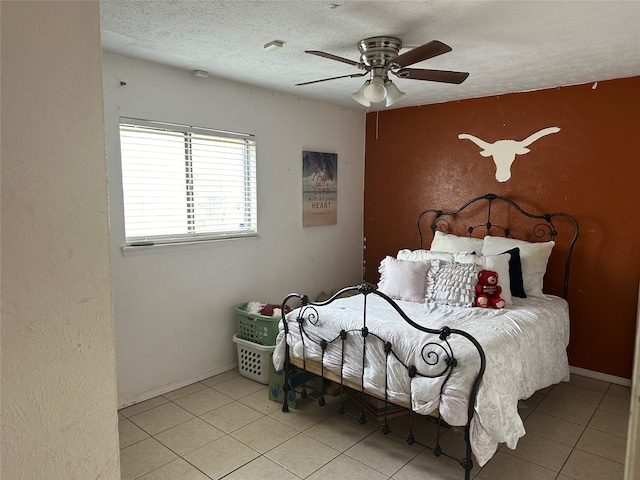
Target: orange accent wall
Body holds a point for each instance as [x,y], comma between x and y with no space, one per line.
[590,169]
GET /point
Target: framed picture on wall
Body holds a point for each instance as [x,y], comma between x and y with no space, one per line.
[319,189]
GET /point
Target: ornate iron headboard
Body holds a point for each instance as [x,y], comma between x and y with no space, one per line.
[543,230]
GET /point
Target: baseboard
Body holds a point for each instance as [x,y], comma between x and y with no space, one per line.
[154,392]
[605,377]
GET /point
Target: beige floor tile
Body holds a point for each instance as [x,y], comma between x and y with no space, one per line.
[221,377]
[238,387]
[504,466]
[142,406]
[427,466]
[143,457]
[260,401]
[264,434]
[603,444]
[545,391]
[341,465]
[610,423]
[570,411]
[541,451]
[176,470]
[203,401]
[533,401]
[555,419]
[590,383]
[181,392]
[261,468]
[382,453]
[339,431]
[585,466]
[302,455]
[553,428]
[620,391]
[161,418]
[130,433]
[618,405]
[572,393]
[189,436]
[306,415]
[231,417]
[221,456]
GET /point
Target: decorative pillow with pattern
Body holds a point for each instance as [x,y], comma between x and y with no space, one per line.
[454,284]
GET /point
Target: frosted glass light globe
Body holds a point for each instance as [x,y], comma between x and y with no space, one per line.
[375,91]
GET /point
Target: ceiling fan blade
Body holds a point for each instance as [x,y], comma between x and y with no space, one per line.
[333,78]
[423,52]
[444,76]
[334,57]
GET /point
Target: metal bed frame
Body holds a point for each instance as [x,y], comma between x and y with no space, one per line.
[438,356]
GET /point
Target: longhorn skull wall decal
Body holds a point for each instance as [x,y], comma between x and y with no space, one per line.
[504,151]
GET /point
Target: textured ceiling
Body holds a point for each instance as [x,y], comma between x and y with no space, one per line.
[506,46]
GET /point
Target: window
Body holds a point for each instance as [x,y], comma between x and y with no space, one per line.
[183,183]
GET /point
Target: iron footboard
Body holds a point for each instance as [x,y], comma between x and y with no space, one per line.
[437,354]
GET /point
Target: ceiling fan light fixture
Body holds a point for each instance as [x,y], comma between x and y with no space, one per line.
[393,93]
[375,91]
[380,56]
[360,97]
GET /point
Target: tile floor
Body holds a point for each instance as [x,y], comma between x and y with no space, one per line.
[225,427]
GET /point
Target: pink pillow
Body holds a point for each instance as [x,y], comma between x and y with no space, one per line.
[403,279]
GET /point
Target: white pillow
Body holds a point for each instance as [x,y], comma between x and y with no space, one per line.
[446,242]
[426,255]
[533,256]
[454,284]
[403,280]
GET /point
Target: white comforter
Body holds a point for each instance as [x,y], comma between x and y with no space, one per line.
[525,346]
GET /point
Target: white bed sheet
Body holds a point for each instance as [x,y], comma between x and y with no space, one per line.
[525,346]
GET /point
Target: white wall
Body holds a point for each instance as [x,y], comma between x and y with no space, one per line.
[174,309]
[59,418]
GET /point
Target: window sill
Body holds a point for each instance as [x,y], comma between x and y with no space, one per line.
[129,250]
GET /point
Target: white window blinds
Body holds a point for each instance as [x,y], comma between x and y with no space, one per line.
[183,183]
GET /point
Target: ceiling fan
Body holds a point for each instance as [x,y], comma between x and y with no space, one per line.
[379,56]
